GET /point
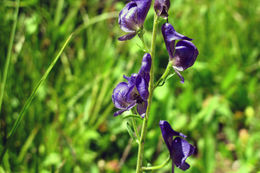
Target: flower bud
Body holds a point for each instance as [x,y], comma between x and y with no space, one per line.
[161,8]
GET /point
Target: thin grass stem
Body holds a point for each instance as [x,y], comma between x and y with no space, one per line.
[8,58]
[31,97]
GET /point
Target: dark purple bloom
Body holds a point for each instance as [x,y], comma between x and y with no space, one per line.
[184,54]
[135,91]
[161,8]
[179,148]
[170,36]
[132,16]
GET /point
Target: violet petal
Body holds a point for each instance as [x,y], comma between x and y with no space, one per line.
[181,150]
[125,109]
[146,63]
[168,133]
[185,55]
[127,36]
[170,35]
[142,87]
[143,8]
[128,17]
[141,108]
[119,95]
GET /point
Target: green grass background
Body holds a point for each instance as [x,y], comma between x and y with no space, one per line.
[70,127]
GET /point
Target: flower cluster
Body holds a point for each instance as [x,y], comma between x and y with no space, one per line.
[135,91]
[126,95]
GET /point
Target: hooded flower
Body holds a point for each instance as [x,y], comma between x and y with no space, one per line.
[132,16]
[184,54]
[161,8]
[135,92]
[179,148]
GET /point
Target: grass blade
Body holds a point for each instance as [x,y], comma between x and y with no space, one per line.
[8,58]
[29,100]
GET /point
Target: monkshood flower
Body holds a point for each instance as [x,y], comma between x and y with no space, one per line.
[184,54]
[179,148]
[161,8]
[132,16]
[135,92]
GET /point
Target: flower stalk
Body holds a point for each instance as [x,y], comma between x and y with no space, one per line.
[164,76]
[151,85]
[158,166]
[137,92]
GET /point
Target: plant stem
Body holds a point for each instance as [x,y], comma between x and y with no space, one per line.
[151,83]
[158,166]
[132,116]
[164,76]
[8,58]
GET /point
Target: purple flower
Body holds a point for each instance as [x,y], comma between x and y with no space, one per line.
[184,54]
[132,16]
[170,36]
[179,148]
[126,95]
[161,7]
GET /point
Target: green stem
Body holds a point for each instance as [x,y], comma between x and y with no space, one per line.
[8,58]
[151,83]
[158,166]
[132,116]
[29,100]
[164,76]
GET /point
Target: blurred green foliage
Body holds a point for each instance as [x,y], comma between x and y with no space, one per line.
[70,125]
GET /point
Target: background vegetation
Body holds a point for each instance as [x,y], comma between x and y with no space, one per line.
[70,127]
